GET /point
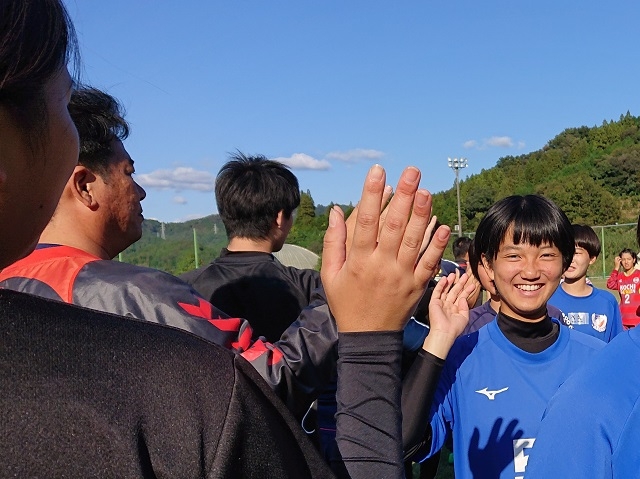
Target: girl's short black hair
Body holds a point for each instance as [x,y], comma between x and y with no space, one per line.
[533,220]
[588,239]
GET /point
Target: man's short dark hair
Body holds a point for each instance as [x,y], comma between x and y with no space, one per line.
[99,119]
[460,247]
[534,220]
[588,239]
[251,191]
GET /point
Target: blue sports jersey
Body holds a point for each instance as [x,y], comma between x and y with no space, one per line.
[597,314]
[592,425]
[492,395]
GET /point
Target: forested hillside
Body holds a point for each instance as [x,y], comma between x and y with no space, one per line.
[591,173]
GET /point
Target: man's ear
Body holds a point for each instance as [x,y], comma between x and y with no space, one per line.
[592,260]
[280,218]
[81,185]
[487,266]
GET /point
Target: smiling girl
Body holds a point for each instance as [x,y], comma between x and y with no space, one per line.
[495,383]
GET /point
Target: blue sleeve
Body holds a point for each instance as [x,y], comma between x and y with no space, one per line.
[414,335]
[569,443]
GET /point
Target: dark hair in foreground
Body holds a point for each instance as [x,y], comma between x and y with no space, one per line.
[534,220]
[250,191]
[474,260]
[99,119]
[37,39]
[588,239]
[460,246]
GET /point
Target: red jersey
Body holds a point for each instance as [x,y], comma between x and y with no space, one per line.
[629,289]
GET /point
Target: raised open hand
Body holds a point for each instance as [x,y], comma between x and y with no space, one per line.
[351,220]
[376,286]
[448,313]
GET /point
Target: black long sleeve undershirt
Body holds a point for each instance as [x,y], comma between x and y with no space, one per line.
[368,416]
[420,384]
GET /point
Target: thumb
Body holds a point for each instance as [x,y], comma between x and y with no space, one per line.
[334,248]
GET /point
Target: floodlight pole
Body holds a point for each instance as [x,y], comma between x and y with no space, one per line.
[455,164]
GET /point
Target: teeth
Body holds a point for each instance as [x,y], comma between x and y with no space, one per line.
[529,287]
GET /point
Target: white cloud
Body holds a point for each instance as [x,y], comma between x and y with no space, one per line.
[302,161]
[178,179]
[501,141]
[493,142]
[521,145]
[180,200]
[356,155]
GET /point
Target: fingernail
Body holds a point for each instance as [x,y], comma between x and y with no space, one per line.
[421,198]
[388,189]
[411,175]
[376,173]
[332,217]
[443,233]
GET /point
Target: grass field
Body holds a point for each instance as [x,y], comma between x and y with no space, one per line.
[445,470]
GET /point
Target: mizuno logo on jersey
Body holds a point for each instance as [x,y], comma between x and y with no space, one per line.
[491,395]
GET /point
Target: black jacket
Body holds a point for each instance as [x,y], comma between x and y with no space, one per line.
[88,394]
[256,286]
[296,367]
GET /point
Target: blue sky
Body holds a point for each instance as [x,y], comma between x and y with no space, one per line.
[331,87]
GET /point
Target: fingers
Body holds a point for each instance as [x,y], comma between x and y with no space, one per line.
[392,233]
[427,234]
[415,231]
[430,262]
[384,207]
[365,233]
[334,249]
[454,289]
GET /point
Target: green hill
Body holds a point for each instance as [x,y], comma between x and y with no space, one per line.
[592,173]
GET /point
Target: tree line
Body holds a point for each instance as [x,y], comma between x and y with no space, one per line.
[592,173]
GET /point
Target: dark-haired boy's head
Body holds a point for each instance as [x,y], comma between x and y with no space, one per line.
[531,219]
[251,191]
[587,239]
[99,119]
[460,247]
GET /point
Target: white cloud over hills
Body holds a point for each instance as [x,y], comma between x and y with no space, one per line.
[178,179]
[355,156]
[302,161]
[493,142]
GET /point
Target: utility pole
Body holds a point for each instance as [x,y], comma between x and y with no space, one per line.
[455,164]
[195,247]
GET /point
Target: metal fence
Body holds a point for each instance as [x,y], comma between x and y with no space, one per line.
[613,239]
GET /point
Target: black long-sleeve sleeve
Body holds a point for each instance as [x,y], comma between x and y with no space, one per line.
[418,389]
[368,397]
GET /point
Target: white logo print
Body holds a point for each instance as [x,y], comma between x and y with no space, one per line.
[491,394]
[599,322]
